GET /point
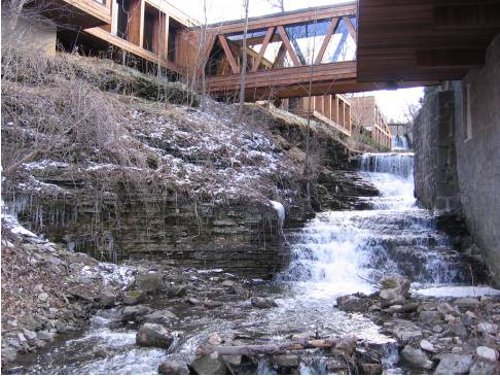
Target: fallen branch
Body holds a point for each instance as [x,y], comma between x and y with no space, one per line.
[269,349]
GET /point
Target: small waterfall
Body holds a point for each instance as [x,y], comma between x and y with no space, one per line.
[341,252]
[400,142]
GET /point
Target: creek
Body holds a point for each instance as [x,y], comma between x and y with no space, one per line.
[336,253]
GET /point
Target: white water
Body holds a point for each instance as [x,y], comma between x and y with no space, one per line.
[343,252]
[337,253]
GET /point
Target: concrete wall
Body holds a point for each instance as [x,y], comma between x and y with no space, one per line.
[457,162]
[478,154]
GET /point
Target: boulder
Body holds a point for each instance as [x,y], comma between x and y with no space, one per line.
[163,317]
[45,335]
[404,330]
[371,368]
[286,361]
[107,299]
[427,346]
[173,368]
[431,318]
[486,353]
[150,282]
[154,335]
[209,365]
[415,358]
[207,303]
[133,297]
[453,364]
[394,290]
[262,302]
[353,303]
[487,328]
[484,368]
[176,291]
[135,313]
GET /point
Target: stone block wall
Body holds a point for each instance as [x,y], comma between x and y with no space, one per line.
[477,136]
[457,161]
[436,182]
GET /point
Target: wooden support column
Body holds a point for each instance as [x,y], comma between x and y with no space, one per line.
[141,23]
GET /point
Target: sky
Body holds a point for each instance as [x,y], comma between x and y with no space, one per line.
[393,103]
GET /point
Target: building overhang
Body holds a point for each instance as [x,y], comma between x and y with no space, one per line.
[423,40]
[73,14]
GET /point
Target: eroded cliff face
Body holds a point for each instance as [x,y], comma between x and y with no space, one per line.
[120,176]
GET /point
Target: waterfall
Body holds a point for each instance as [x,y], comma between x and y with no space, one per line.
[400,142]
[342,252]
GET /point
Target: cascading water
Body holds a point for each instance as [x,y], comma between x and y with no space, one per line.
[337,253]
[349,251]
[400,142]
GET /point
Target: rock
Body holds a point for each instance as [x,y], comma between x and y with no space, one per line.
[176,291]
[228,283]
[487,353]
[135,313]
[453,364]
[446,308]
[487,328]
[209,365]
[163,317]
[346,345]
[154,335]
[8,355]
[83,291]
[193,301]
[353,303]
[394,290]
[233,360]
[29,335]
[427,346]
[371,368]
[207,303]
[466,302]
[173,368]
[415,358]
[43,297]
[262,302]
[404,330]
[150,282]
[133,297]
[107,299]
[215,339]
[45,335]
[286,361]
[457,328]
[431,318]
[484,368]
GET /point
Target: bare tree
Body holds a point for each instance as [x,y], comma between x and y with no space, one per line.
[243,70]
[280,4]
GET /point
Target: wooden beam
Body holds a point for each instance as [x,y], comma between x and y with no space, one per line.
[288,18]
[288,46]
[229,54]
[267,38]
[351,28]
[278,62]
[141,23]
[326,41]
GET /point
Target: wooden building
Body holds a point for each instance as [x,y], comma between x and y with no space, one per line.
[333,110]
[367,117]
